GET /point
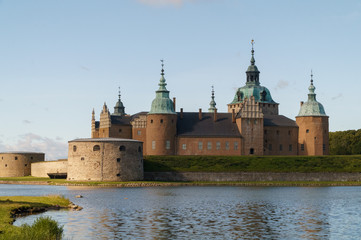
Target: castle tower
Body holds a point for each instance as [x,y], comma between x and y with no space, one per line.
[95,132]
[212,104]
[250,125]
[105,122]
[119,109]
[254,89]
[161,122]
[313,136]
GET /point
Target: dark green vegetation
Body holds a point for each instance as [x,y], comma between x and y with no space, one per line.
[42,229]
[345,142]
[253,163]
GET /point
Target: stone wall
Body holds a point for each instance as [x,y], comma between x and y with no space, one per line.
[280,140]
[41,169]
[249,176]
[210,146]
[110,159]
[18,164]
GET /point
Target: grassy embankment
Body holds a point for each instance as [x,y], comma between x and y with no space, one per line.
[337,163]
[43,228]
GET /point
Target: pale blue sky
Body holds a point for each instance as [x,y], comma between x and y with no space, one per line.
[61,59]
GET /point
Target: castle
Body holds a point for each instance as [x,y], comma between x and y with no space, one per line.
[252,125]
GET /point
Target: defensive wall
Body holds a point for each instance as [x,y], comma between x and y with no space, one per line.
[105,159]
[18,164]
[250,176]
[41,169]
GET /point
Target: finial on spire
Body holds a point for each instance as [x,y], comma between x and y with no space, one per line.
[212,91]
[162,61]
[311,77]
[212,104]
[252,59]
[119,93]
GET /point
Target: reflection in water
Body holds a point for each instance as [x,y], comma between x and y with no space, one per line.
[207,212]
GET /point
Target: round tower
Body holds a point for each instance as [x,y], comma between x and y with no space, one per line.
[312,121]
[161,122]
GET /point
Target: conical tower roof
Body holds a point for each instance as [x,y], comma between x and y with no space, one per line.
[311,107]
[162,104]
[119,109]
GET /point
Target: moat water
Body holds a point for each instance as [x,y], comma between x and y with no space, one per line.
[204,212]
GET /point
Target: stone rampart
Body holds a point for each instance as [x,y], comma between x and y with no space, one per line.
[18,164]
[249,176]
[41,169]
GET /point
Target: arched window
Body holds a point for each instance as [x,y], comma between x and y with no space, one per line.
[122,148]
[96,148]
[74,148]
[251,151]
[139,149]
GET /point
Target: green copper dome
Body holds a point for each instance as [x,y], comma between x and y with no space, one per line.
[162,104]
[253,87]
[311,107]
[119,107]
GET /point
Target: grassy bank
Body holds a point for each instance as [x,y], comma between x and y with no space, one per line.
[337,163]
[42,229]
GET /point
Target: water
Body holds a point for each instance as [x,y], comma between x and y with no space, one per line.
[204,212]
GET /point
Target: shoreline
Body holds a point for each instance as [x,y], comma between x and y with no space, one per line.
[178,184]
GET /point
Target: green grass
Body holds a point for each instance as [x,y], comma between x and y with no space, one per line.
[349,163]
[9,205]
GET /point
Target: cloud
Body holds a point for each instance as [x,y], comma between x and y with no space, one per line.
[338,96]
[85,68]
[26,121]
[53,148]
[282,84]
[160,3]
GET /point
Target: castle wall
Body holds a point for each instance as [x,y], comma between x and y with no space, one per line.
[280,140]
[18,164]
[313,136]
[105,160]
[160,134]
[41,169]
[208,146]
[120,131]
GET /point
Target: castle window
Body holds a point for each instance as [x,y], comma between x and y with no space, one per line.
[122,148]
[153,145]
[255,121]
[200,145]
[118,174]
[161,121]
[278,132]
[227,145]
[290,148]
[307,130]
[172,120]
[16,158]
[120,130]
[96,148]
[251,151]
[184,146]
[139,132]
[151,120]
[302,147]
[139,149]
[26,165]
[289,132]
[270,147]
[167,144]
[6,165]
[235,146]
[265,132]
[218,145]
[74,148]
[82,159]
[209,145]
[118,159]
[281,147]
[323,147]
[31,158]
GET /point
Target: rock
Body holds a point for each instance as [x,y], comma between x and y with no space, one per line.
[78,196]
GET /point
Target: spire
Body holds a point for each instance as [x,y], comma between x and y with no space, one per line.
[311,88]
[162,103]
[212,104]
[162,82]
[119,107]
[93,115]
[252,71]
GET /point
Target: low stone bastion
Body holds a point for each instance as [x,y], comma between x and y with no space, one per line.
[18,164]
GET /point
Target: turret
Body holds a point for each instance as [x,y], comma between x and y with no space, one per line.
[161,122]
[212,104]
[313,135]
[119,109]
[105,122]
